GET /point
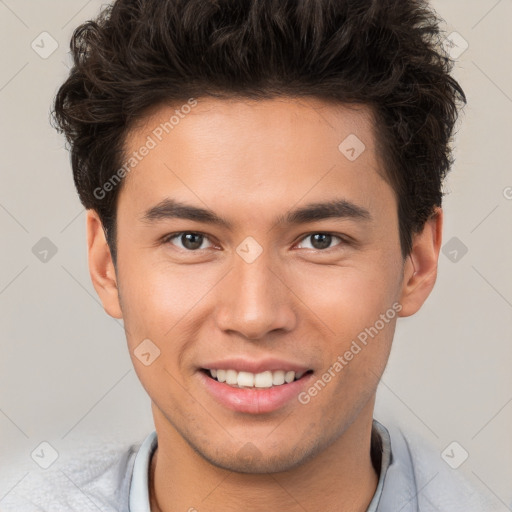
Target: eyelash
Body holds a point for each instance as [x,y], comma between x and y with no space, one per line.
[343,241]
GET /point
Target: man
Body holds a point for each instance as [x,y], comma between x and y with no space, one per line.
[263,190]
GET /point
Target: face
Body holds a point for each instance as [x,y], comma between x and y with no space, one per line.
[227,261]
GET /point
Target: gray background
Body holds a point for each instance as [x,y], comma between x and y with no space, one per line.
[65,375]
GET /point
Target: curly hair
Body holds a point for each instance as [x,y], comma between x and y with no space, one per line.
[386,54]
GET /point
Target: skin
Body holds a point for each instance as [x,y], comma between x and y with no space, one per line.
[249,162]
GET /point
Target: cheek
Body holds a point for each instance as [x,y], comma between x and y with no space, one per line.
[347,299]
[357,307]
[158,298]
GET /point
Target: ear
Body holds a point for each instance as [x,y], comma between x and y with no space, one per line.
[420,268]
[101,266]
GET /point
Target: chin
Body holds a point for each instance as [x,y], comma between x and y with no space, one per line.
[249,459]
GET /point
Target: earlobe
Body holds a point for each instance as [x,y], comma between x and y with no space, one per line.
[101,266]
[420,269]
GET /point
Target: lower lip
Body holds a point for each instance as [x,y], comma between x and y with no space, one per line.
[254,400]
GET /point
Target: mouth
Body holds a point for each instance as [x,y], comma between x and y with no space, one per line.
[255,386]
[258,393]
[248,380]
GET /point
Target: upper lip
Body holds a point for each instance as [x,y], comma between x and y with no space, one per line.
[256,366]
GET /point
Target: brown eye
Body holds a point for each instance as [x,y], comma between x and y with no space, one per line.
[321,241]
[189,240]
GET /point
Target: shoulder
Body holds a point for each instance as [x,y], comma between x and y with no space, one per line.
[91,480]
[418,479]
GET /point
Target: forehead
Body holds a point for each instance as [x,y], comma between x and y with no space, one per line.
[248,150]
[240,120]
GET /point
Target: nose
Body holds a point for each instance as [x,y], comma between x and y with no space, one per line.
[254,300]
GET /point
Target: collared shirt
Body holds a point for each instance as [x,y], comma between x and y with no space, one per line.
[412,478]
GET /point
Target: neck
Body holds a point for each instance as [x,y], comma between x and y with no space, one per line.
[341,475]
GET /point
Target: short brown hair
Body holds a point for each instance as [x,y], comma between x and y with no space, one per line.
[383,53]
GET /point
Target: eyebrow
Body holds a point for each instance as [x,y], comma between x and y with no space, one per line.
[339,208]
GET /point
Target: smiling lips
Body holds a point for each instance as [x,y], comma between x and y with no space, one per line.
[254,387]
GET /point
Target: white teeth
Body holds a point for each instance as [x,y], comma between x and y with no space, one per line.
[265,379]
[231,377]
[289,376]
[245,379]
[278,378]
